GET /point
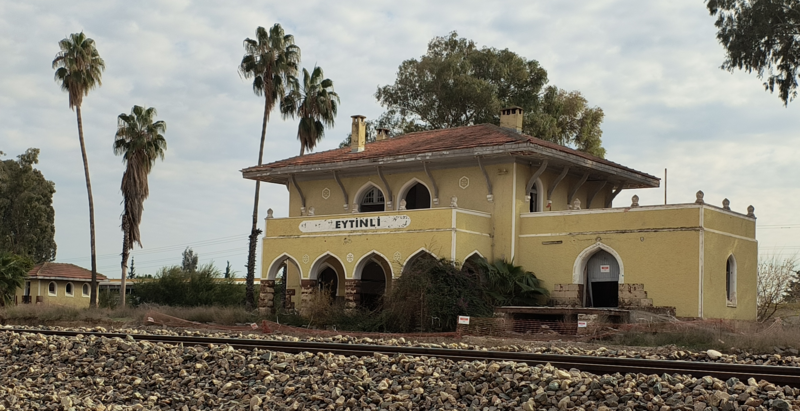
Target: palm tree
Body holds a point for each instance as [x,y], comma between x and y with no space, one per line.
[140,142]
[270,59]
[315,103]
[13,271]
[79,69]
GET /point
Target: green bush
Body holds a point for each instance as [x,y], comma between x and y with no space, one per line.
[174,286]
[509,284]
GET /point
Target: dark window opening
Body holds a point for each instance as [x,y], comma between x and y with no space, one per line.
[373,285]
[534,206]
[372,201]
[69,289]
[51,288]
[329,281]
[418,197]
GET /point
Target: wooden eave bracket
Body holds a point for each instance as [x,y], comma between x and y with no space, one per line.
[388,199]
[576,188]
[433,183]
[344,192]
[594,192]
[556,183]
[302,197]
[489,196]
[614,193]
[535,177]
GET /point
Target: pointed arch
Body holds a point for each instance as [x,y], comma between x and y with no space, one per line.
[359,196]
[276,264]
[422,251]
[474,254]
[535,204]
[316,266]
[372,255]
[401,195]
[586,254]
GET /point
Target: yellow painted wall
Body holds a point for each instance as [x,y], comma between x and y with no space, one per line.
[718,247]
[60,298]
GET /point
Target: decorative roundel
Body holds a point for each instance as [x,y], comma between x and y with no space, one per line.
[326,194]
[463,182]
[305,259]
[397,256]
[350,257]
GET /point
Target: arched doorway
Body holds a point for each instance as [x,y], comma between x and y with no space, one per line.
[535,197]
[418,260]
[417,197]
[373,285]
[602,280]
[472,266]
[372,200]
[286,273]
[328,281]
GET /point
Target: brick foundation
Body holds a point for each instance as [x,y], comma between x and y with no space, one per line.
[266,297]
[352,293]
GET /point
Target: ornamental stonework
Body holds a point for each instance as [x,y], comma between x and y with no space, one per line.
[463,182]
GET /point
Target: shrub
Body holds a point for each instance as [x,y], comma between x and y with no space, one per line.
[174,286]
[509,284]
[13,270]
[431,294]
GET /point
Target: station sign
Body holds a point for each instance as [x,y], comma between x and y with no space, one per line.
[356,223]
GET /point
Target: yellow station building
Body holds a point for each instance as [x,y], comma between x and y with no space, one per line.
[358,215]
[57,284]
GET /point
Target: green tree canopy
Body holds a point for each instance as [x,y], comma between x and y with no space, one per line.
[27,217]
[458,84]
[761,36]
[315,102]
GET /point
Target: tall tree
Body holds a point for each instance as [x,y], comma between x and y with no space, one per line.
[271,60]
[79,69]
[189,260]
[13,270]
[456,84]
[140,142]
[761,36]
[27,217]
[315,103]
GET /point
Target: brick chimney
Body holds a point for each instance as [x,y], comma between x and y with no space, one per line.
[358,135]
[383,134]
[511,118]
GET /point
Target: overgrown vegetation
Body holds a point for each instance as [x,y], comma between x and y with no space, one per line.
[174,286]
[775,284]
[13,270]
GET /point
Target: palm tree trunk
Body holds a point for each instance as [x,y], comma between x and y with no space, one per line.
[302,149]
[125,254]
[93,284]
[250,299]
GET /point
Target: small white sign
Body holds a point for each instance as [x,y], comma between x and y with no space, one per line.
[356,223]
[581,324]
[605,268]
[463,319]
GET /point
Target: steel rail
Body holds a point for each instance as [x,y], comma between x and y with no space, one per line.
[781,375]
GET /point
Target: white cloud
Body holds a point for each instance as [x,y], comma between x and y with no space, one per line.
[652,67]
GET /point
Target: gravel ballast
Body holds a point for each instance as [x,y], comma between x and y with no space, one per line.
[87,372]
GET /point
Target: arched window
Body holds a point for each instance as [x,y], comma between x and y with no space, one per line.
[68,290]
[534,194]
[372,201]
[730,281]
[418,197]
[86,290]
[51,288]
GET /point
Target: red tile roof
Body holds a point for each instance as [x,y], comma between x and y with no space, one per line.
[62,270]
[457,138]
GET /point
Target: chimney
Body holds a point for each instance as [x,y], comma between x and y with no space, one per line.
[383,134]
[358,135]
[511,118]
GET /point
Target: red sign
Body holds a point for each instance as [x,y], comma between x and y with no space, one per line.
[605,268]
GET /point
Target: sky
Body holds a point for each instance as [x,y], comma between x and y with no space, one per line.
[653,67]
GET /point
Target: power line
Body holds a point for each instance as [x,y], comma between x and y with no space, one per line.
[166,248]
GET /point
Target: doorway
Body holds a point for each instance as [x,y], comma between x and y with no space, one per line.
[602,281]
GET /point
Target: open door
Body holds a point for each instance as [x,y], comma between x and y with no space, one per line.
[602,280]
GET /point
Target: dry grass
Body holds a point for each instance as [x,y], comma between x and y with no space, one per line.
[725,336]
[56,315]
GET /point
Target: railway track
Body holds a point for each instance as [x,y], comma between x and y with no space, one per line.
[598,365]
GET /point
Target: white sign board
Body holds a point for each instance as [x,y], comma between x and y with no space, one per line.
[356,223]
[581,324]
[463,320]
[605,268]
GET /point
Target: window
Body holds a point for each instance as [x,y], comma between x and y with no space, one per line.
[372,201]
[86,290]
[418,197]
[51,288]
[68,290]
[730,281]
[534,194]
